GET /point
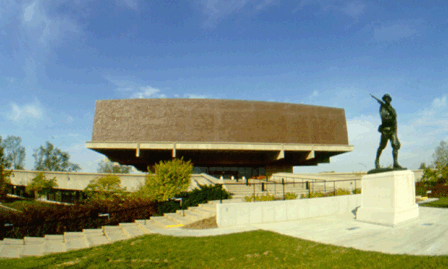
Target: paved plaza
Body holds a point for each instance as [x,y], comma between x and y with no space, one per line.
[427,235]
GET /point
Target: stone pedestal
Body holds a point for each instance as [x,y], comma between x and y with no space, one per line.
[388,198]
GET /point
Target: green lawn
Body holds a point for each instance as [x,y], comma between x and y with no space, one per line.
[257,249]
[21,204]
[442,202]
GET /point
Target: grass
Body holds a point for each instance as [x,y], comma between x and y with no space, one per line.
[21,204]
[442,203]
[256,249]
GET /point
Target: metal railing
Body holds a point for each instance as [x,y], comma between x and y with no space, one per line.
[308,186]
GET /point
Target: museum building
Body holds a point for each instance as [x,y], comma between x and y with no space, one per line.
[228,138]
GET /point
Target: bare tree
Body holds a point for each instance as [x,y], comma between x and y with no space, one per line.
[110,168]
[50,158]
[4,174]
[15,153]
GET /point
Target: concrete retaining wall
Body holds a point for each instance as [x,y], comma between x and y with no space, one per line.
[79,181]
[264,212]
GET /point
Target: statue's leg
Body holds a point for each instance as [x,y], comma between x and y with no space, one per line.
[396,146]
[383,144]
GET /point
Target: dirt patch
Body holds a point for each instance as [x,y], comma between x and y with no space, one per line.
[202,224]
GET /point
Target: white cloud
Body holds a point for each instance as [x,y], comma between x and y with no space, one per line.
[315,93]
[215,10]
[394,31]
[69,119]
[439,102]
[44,28]
[32,110]
[29,12]
[133,89]
[147,92]
[265,4]
[194,96]
[353,8]
[132,4]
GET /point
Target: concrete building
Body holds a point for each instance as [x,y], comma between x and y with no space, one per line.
[221,137]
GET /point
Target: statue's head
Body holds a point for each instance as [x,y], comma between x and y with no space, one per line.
[387,98]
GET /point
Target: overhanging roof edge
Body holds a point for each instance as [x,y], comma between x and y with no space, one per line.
[182,145]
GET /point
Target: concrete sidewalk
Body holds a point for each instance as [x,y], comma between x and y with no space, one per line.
[427,235]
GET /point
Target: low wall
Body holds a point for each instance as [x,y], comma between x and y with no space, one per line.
[234,214]
[79,181]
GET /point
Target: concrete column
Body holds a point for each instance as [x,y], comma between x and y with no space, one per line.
[271,169]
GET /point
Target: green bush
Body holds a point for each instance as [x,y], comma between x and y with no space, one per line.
[38,220]
[40,185]
[170,178]
[313,195]
[357,191]
[321,194]
[105,188]
[265,197]
[342,192]
[290,196]
[421,191]
[193,198]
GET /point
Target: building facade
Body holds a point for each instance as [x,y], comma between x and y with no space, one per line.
[221,137]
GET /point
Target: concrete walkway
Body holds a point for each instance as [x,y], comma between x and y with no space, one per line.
[427,235]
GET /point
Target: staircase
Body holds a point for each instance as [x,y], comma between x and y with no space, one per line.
[39,246]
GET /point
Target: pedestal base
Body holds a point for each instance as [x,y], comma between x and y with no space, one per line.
[388,198]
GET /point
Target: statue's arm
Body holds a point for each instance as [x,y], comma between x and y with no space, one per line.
[391,110]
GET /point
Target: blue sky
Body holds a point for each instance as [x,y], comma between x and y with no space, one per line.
[58,57]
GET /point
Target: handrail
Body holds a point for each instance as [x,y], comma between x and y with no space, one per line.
[310,185]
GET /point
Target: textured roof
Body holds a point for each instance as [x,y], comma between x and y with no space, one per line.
[215,120]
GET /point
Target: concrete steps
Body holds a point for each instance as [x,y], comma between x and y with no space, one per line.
[206,213]
[39,246]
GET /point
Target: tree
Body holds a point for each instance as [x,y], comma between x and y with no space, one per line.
[110,168]
[40,185]
[438,171]
[53,159]
[105,188]
[170,179]
[15,153]
[4,174]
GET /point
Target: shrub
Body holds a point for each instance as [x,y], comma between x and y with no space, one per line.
[38,220]
[357,191]
[105,188]
[342,192]
[312,195]
[420,189]
[265,197]
[169,180]
[4,174]
[193,198]
[438,171]
[40,185]
[321,194]
[290,196]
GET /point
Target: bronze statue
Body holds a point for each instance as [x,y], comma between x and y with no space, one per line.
[388,130]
